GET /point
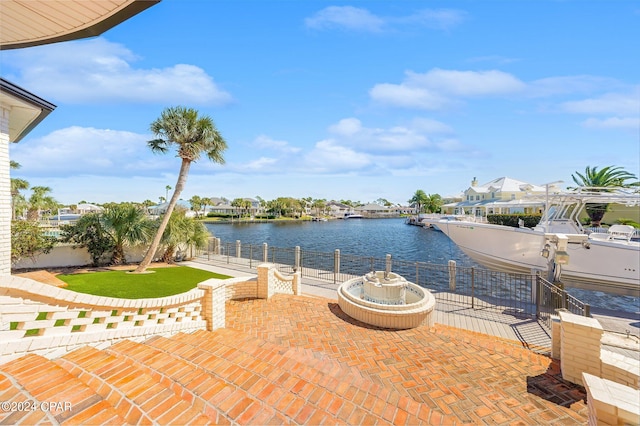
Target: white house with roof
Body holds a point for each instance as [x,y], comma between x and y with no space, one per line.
[502,195]
[337,209]
[375,210]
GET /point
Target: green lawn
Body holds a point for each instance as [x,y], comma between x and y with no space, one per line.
[162,282]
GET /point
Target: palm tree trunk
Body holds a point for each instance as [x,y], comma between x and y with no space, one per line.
[182,179]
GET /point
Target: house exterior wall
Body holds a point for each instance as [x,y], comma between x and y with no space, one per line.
[5,195]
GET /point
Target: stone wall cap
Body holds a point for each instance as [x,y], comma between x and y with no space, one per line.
[579,320]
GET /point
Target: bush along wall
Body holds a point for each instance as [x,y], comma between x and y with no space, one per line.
[530,220]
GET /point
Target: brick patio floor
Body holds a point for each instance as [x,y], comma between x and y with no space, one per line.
[439,375]
[297,360]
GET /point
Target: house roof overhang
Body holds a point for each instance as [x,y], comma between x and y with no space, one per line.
[26,110]
[27,23]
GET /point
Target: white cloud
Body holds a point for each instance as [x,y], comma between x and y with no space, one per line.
[561,85]
[441,19]
[260,164]
[465,83]
[97,70]
[353,147]
[406,96]
[265,142]
[346,127]
[348,17]
[350,132]
[358,19]
[630,123]
[330,157]
[85,150]
[438,88]
[430,126]
[610,103]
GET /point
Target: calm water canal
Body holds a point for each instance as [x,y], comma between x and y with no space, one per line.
[377,238]
[360,237]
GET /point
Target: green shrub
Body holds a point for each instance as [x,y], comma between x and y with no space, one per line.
[28,240]
[220,215]
[530,220]
[628,222]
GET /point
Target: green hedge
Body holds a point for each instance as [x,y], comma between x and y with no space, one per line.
[530,220]
[222,215]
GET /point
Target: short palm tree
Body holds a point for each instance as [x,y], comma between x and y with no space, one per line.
[434,203]
[40,200]
[181,232]
[192,135]
[419,199]
[127,225]
[17,185]
[601,180]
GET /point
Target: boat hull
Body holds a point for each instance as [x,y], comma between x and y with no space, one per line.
[608,266]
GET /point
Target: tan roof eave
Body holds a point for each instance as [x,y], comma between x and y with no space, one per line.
[91,27]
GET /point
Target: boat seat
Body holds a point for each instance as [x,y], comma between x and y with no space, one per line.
[600,236]
[621,232]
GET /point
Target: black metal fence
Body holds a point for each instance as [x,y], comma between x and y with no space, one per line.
[525,295]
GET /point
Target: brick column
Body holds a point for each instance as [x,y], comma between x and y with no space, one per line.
[214,303]
[580,347]
[263,280]
[5,195]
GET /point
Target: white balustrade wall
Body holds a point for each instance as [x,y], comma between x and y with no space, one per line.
[51,321]
[612,380]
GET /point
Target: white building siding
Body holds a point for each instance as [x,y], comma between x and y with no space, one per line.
[5,195]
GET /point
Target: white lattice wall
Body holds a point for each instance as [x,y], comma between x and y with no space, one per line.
[50,321]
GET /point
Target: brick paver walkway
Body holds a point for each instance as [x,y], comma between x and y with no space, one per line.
[438,375]
[294,360]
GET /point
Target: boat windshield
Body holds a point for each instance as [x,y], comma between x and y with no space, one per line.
[565,209]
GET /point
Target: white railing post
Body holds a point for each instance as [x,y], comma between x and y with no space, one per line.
[336,265]
[452,275]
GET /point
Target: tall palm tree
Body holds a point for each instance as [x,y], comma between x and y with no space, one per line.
[600,180]
[193,136]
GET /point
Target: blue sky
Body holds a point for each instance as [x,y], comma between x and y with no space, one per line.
[351,100]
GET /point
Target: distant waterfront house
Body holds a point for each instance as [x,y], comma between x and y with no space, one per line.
[85,208]
[160,209]
[223,208]
[375,210]
[499,196]
[337,209]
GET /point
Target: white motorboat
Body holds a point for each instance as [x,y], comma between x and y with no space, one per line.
[433,223]
[353,216]
[608,262]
